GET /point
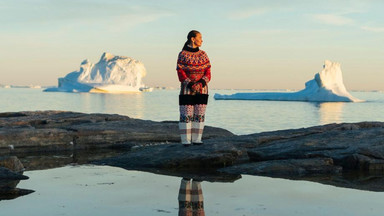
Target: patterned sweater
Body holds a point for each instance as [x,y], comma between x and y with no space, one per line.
[193,66]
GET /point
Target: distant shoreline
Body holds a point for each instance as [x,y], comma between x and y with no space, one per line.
[173,88]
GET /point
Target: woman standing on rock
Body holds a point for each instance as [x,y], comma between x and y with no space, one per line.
[194,71]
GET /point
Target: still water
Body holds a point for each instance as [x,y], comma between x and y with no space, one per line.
[103,190]
[98,190]
[240,117]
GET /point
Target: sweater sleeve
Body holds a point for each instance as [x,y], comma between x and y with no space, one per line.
[180,72]
[182,76]
[207,72]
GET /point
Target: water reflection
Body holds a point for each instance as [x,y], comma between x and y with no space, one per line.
[330,112]
[126,104]
[9,191]
[191,201]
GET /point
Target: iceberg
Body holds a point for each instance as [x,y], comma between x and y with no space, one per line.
[327,86]
[112,74]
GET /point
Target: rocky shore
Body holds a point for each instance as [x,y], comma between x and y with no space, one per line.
[45,131]
[345,155]
[11,172]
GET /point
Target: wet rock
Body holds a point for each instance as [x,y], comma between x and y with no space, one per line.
[58,130]
[12,163]
[49,160]
[11,114]
[176,156]
[32,139]
[11,172]
[283,168]
[321,151]
[6,174]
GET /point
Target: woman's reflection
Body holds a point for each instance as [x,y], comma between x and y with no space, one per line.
[191,202]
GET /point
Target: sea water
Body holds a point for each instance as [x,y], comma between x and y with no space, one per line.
[239,117]
[103,190]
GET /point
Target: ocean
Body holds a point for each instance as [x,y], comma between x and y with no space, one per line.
[102,190]
[239,117]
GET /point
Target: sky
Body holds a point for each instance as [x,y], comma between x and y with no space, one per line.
[252,44]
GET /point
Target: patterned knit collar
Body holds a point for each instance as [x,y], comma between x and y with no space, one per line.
[190,49]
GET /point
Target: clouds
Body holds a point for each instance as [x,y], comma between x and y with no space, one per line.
[373,29]
[333,19]
[247,13]
[246,32]
[22,14]
[356,15]
[343,20]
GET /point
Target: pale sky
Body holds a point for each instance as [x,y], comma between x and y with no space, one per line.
[251,44]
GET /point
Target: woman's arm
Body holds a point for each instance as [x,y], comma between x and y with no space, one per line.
[183,78]
[182,75]
[207,73]
[207,76]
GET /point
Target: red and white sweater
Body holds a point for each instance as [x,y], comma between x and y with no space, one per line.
[193,67]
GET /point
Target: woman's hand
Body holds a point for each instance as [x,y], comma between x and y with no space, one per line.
[190,85]
[197,87]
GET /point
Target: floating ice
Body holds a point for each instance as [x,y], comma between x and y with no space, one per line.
[112,74]
[327,86]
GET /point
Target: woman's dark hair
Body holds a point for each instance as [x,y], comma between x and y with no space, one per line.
[190,35]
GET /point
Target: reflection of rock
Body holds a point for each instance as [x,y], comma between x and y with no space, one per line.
[57,130]
[199,174]
[11,172]
[49,160]
[308,153]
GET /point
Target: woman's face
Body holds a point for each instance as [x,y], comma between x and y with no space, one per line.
[197,41]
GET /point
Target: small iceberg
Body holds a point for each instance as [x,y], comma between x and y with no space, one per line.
[112,74]
[327,86]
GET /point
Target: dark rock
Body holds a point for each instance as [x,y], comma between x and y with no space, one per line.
[11,172]
[283,168]
[346,147]
[11,114]
[320,151]
[12,163]
[6,174]
[362,162]
[31,139]
[314,153]
[176,156]
[49,160]
[59,130]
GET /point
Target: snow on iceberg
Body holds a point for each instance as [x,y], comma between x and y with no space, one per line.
[112,74]
[327,86]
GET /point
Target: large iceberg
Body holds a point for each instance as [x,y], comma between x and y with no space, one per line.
[327,86]
[112,74]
